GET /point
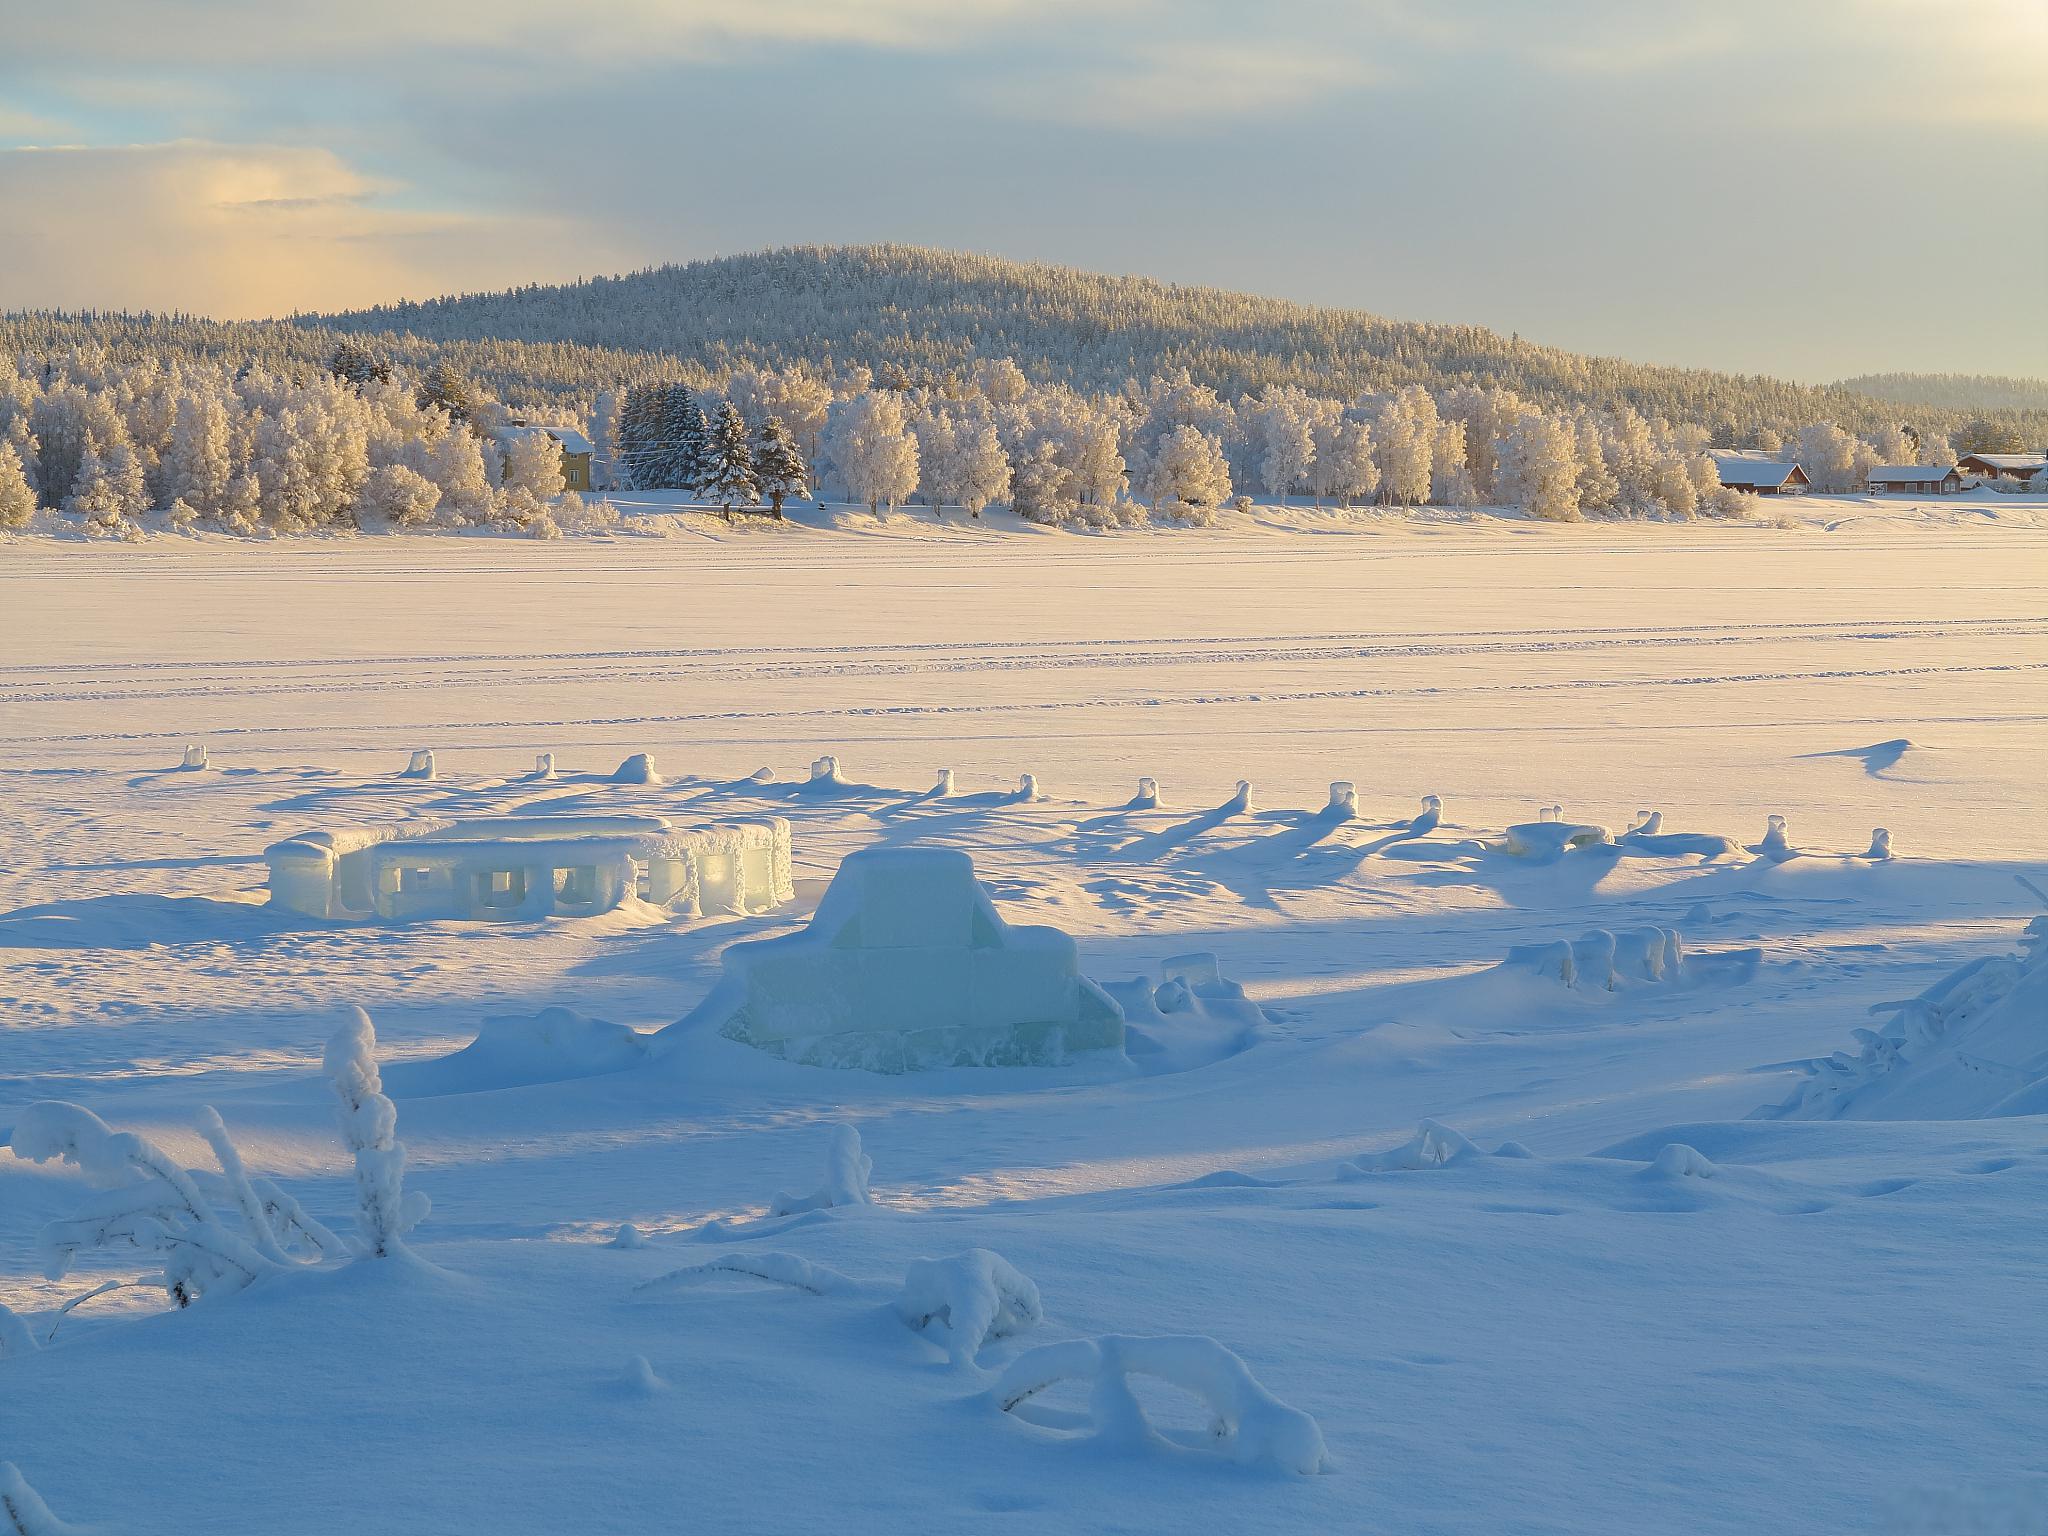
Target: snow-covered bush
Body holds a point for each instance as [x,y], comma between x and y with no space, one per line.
[976,1296]
[154,1205]
[1247,1423]
[770,1267]
[385,1211]
[846,1179]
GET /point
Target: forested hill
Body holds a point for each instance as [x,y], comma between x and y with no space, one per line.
[920,316]
[1954,391]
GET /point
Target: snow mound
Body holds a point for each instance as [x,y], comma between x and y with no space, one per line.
[421,765]
[639,1378]
[976,1295]
[825,779]
[628,1236]
[1604,960]
[637,769]
[1880,847]
[22,1509]
[1432,1146]
[1248,1424]
[907,966]
[1972,1046]
[1679,1161]
[195,756]
[1646,836]
[846,1179]
[1343,802]
[1027,787]
[1192,1015]
[516,1050]
[771,1267]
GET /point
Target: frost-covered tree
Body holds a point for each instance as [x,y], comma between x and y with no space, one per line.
[532,464]
[1042,488]
[1829,457]
[1550,469]
[354,363]
[17,498]
[456,466]
[446,387]
[685,439]
[980,471]
[1405,432]
[778,465]
[728,464]
[871,446]
[1343,469]
[1190,468]
[385,1210]
[200,459]
[110,487]
[400,495]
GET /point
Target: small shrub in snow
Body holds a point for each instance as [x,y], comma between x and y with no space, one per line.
[846,1179]
[1247,1423]
[977,1295]
[152,1204]
[369,1124]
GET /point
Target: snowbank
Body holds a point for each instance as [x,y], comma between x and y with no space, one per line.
[1190,1016]
[845,1185]
[1972,1046]
[975,1296]
[512,1050]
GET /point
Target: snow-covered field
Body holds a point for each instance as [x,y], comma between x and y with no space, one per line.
[1827,1322]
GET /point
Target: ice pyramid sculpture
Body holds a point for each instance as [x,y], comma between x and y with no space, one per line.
[906,966]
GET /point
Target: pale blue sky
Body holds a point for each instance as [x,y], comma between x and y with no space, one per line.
[1805,187]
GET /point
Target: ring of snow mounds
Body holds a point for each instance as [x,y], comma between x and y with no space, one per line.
[1248,1424]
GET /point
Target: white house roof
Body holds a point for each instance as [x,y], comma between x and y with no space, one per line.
[2024,461]
[571,440]
[1907,474]
[1742,469]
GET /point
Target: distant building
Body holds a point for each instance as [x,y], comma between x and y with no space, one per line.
[1915,480]
[2020,467]
[1760,476]
[576,450]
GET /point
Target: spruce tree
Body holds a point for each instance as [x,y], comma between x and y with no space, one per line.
[778,465]
[683,439]
[728,464]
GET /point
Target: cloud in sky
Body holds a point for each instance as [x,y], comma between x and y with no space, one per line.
[235,231]
[1569,169]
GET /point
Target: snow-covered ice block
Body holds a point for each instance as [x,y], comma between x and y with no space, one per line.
[512,867]
[421,765]
[1343,804]
[1880,845]
[1430,817]
[907,965]
[1027,787]
[1552,837]
[1147,797]
[944,785]
[1601,960]
[1240,802]
[543,766]
[1192,1015]
[845,1186]
[195,756]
